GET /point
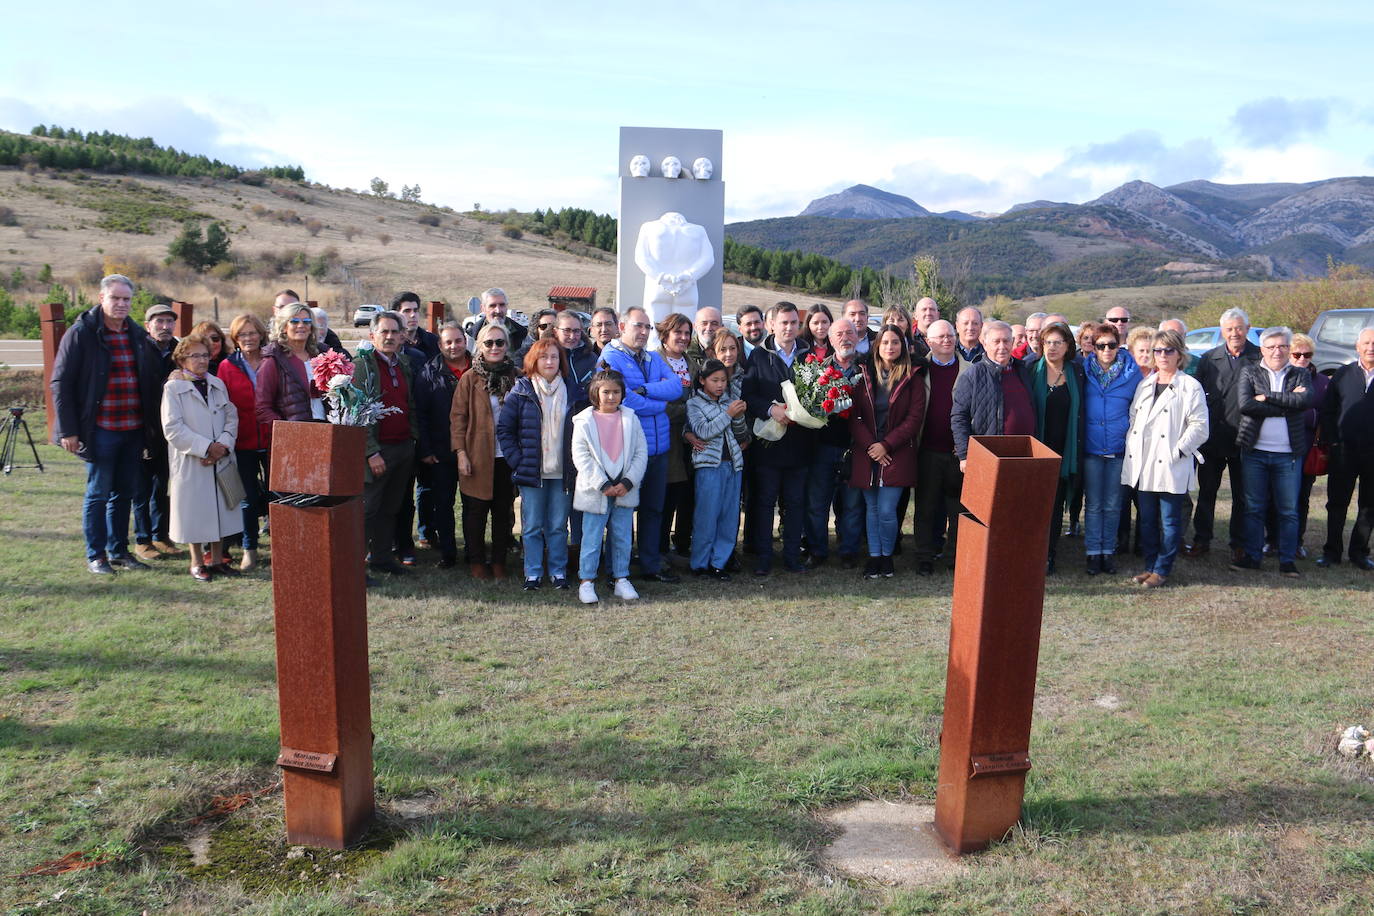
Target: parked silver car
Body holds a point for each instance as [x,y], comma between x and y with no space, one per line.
[1335,332]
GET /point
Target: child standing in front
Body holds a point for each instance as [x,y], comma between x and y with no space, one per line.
[715,523]
[610,454]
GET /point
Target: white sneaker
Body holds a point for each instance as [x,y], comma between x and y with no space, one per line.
[586,593]
[624,590]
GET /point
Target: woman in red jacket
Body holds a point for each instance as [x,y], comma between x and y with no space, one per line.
[889,408]
[239,372]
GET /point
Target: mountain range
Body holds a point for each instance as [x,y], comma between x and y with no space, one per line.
[1135,234]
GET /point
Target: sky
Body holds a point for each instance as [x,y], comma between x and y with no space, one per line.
[974,106]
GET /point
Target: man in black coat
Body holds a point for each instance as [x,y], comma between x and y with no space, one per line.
[1219,372]
[1348,427]
[152,513]
[435,462]
[107,388]
[779,477]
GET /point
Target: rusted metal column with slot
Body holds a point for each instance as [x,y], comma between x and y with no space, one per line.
[436,315]
[52,321]
[994,639]
[320,598]
[186,318]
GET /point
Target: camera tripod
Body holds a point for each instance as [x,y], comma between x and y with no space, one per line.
[13,425]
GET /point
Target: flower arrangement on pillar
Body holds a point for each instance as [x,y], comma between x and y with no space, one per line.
[346,404]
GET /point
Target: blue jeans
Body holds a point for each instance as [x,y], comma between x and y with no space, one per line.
[828,471]
[715,520]
[1101,502]
[881,519]
[1276,476]
[1161,529]
[249,460]
[651,491]
[544,526]
[111,480]
[620,520]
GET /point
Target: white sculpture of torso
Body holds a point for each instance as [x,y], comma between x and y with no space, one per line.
[673,254]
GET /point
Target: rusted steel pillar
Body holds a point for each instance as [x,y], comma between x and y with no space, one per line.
[185,317]
[52,321]
[320,598]
[994,638]
[436,316]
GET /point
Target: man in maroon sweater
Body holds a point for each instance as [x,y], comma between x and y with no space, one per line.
[938,479]
[383,373]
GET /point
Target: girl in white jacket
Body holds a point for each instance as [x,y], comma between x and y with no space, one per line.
[1168,426]
[610,454]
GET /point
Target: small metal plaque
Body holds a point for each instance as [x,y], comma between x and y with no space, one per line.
[1011,762]
[306,760]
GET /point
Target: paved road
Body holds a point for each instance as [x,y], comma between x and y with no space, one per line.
[21,354]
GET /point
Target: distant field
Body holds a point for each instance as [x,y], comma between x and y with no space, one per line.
[449,262]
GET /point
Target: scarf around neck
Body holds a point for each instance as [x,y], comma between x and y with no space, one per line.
[499,377]
[553,401]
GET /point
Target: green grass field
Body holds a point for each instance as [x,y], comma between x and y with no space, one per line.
[674,755]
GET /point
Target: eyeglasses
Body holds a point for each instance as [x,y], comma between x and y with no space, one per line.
[544,326]
[1296,355]
[197,355]
[1108,345]
[301,320]
[1119,320]
[1274,347]
[493,344]
[1163,351]
[215,337]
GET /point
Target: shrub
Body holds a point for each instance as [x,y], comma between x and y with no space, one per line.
[8,217]
[512,231]
[489,247]
[313,226]
[260,211]
[1295,305]
[287,216]
[225,270]
[428,219]
[351,232]
[384,238]
[255,178]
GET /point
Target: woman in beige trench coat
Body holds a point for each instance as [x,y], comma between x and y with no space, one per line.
[201,425]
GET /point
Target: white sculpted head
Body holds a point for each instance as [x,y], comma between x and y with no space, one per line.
[639,166]
[702,168]
[672,167]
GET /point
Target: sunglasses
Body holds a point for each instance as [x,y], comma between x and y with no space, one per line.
[1163,351]
[1119,320]
[215,337]
[301,320]
[1300,355]
[493,344]
[1109,345]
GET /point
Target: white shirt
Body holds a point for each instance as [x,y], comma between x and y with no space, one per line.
[1273,432]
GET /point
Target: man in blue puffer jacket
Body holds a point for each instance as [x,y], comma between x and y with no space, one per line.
[649,387]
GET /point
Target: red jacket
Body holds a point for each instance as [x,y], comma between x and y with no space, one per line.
[252,434]
[906,411]
[283,393]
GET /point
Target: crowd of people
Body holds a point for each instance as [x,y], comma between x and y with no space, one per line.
[624,452]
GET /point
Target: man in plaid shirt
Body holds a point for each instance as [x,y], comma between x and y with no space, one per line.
[106,393]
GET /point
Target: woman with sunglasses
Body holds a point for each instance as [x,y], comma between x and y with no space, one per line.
[1168,425]
[284,390]
[484,476]
[1057,393]
[1304,349]
[213,336]
[1111,378]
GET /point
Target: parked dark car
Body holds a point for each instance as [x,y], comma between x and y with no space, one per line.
[1335,332]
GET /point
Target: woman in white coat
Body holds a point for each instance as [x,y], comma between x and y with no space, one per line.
[1168,426]
[201,425]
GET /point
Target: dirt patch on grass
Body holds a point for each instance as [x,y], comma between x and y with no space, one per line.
[891,843]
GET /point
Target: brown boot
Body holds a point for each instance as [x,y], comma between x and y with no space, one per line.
[1139,578]
[479,570]
[1155,581]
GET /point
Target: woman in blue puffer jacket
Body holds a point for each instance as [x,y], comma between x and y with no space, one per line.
[535,432]
[1111,379]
